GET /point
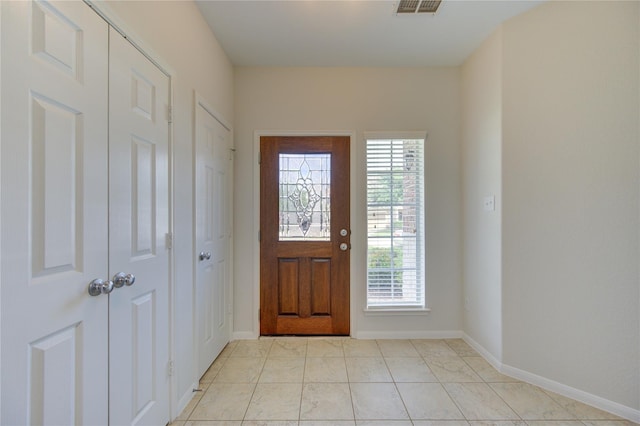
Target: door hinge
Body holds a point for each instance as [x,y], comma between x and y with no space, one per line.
[170,368]
[169,240]
[259,157]
[259,236]
[169,113]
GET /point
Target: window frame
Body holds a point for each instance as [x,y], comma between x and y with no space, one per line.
[398,308]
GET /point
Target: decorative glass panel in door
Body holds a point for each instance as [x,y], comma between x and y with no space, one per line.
[305,197]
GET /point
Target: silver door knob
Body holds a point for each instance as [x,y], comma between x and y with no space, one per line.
[344,246]
[121,279]
[98,287]
[205,255]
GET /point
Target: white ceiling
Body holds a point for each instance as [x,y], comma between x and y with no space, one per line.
[359,33]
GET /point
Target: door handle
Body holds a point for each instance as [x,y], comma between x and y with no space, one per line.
[205,255]
[121,279]
[98,287]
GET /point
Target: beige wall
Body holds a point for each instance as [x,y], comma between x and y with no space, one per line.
[570,197]
[482,177]
[177,35]
[551,114]
[357,100]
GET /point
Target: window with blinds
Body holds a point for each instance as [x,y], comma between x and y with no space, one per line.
[395,223]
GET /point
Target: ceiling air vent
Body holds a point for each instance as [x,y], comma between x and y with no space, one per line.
[418,6]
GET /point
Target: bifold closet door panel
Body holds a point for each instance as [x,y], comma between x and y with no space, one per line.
[53,214]
[138,227]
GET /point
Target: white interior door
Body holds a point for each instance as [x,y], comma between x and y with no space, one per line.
[213,232]
[138,228]
[53,216]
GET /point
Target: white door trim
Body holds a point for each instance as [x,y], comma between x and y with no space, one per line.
[255,333]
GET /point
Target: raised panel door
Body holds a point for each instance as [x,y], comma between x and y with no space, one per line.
[138,228]
[54,217]
[213,232]
[304,235]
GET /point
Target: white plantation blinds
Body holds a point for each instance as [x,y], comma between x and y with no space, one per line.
[395,223]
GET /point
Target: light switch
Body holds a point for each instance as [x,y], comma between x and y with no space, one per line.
[489,203]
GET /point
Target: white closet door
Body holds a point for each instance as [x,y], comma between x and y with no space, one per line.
[138,225]
[213,231]
[53,214]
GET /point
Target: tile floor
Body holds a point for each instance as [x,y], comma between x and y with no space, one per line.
[342,381]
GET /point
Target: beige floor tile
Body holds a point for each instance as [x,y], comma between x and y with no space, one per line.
[224,401]
[367,370]
[497,423]
[479,402]
[452,369]
[326,401]
[240,370]
[252,348]
[377,401]
[397,348]
[580,410]
[191,405]
[461,347]
[213,370]
[325,370]
[305,382]
[202,387]
[486,370]
[530,402]
[361,348]
[325,348]
[228,349]
[433,348]
[410,370]
[275,401]
[282,370]
[288,348]
[428,401]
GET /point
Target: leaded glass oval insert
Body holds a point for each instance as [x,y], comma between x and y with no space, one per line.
[305,197]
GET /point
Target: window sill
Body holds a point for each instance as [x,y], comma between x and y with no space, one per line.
[396,311]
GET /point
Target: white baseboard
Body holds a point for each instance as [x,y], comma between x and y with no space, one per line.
[573,393]
[244,335]
[445,334]
[553,386]
[488,356]
[184,400]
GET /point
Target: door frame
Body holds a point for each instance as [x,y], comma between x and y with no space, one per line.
[256,220]
[113,20]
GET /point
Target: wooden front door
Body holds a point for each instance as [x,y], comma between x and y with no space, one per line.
[304,235]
